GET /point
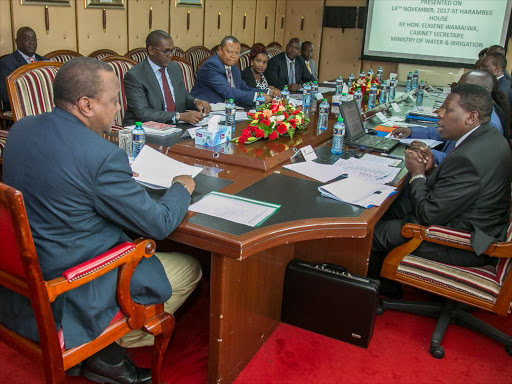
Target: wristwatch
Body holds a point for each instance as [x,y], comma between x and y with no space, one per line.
[417,177]
[177,116]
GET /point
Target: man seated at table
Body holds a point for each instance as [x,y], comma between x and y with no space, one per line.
[80,196]
[306,52]
[289,67]
[219,79]
[467,191]
[500,111]
[155,90]
[26,44]
[496,64]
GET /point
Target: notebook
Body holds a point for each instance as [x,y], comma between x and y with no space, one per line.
[355,134]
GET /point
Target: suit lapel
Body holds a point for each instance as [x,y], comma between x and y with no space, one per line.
[153,82]
[19,58]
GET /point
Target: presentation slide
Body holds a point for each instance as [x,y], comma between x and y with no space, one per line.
[437,31]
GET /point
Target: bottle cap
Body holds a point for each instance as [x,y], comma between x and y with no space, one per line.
[340,119]
[231,100]
[324,99]
[315,82]
[344,94]
[138,124]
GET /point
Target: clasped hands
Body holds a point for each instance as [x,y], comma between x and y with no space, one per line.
[419,158]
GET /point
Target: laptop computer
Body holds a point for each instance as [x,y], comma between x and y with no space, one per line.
[355,135]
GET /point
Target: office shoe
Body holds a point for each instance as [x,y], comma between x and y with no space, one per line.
[125,372]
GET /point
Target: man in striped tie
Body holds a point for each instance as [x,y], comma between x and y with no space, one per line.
[26,42]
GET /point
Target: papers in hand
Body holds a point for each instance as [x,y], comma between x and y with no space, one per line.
[235,208]
[358,192]
[157,170]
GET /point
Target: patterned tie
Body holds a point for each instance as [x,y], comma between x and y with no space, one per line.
[169,101]
[291,73]
[308,67]
[230,77]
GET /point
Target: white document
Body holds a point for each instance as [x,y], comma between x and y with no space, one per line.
[380,159]
[330,82]
[326,89]
[234,208]
[241,115]
[429,142]
[382,117]
[320,172]
[368,171]
[157,170]
[308,153]
[396,108]
[319,96]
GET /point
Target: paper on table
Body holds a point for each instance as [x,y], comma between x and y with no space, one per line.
[317,171]
[190,132]
[429,142]
[371,172]
[326,89]
[380,159]
[157,170]
[235,208]
[330,82]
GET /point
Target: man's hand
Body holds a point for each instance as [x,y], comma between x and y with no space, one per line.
[192,117]
[203,106]
[293,87]
[415,164]
[416,145]
[268,98]
[402,132]
[275,91]
[189,182]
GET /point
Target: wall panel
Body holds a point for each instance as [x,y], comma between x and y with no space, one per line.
[212,33]
[138,20]
[279,25]
[241,8]
[340,53]
[265,9]
[62,32]
[6,41]
[183,37]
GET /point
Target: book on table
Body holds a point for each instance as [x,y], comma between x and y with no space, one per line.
[162,129]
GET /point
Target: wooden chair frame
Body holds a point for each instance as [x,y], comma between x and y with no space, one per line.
[103,51]
[53,54]
[151,319]
[133,51]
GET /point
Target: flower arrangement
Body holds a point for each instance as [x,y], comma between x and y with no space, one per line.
[271,121]
[365,83]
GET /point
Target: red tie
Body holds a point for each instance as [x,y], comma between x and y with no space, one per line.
[169,101]
[31,59]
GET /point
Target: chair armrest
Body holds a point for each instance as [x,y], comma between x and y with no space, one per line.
[83,273]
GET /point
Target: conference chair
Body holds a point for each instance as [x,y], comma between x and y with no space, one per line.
[179,52]
[243,60]
[102,53]
[121,65]
[138,54]
[276,45]
[195,55]
[214,49]
[187,70]
[464,289]
[5,117]
[62,55]
[273,52]
[30,88]
[20,272]
[244,48]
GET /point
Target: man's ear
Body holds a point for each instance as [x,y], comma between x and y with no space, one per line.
[472,118]
[85,107]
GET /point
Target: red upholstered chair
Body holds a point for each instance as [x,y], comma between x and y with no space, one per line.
[243,60]
[30,88]
[488,287]
[276,45]
[62,56]
[195,55]
[102,53]
[244,48]
[187,70]
[214,49]
[21,273]
[179,52]
[138,54]
[273,52]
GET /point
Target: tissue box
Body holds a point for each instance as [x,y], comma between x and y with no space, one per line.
[217,136]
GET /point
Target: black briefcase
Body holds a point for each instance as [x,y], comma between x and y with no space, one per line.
[326,299]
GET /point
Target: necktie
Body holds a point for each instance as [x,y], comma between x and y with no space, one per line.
[308,67]
[31,59]
[169,101]
[291,73]
[230,77]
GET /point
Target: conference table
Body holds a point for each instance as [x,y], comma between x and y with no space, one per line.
[248,264]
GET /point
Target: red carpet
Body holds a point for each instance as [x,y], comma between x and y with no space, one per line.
[398,353]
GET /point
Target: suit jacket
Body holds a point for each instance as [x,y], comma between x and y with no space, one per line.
[79,194]
[212,84]
[8,65]
[144,98]
[470,189]
[313,67]
[250,80]
[278,66]
[504,85]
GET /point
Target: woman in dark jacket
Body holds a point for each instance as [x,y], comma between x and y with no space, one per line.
[253,75]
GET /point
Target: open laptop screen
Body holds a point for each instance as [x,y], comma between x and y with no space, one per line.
[352,118]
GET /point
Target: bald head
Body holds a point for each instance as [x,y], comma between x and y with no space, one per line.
[478,77]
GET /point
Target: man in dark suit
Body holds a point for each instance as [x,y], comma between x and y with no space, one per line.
[155,90]
[219,79]
[467,191]
[306,52]
[26,42]
[498,49]
[496,64]
[289,67]
[80,195]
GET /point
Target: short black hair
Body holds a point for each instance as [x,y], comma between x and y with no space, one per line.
[496,49]
[305,44]
[229,39]
[295,40]
[475,98]
[78,78]
[155,37]
[498,60]
[21,31]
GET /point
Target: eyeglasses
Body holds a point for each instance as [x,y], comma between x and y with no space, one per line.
[166,52]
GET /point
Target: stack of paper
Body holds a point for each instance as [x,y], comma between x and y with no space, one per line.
[358,192]
[317,171]
[365,170]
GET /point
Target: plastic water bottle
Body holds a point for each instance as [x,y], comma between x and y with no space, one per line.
[230,115]
[314,100]
[285,95]
[370,72]
[384,91]
[339,85]
[362,75]
[138,139]
[343,98]
[338,136]
[392,89]
[415,78]
[358,95]
[420,93]
[379,74]
[350,80]
[372,97]
[408,84]
[260,100]
[323,116]
[306,96]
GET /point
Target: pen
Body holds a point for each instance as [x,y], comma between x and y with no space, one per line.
[391,156]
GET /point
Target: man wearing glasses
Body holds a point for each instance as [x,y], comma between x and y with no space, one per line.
[219,79]
[26,42]
[155,90]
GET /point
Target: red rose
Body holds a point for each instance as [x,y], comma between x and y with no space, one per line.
[259,133]
[251,115]
[274,108]
[246,133]
[266,122]
[242,139]
[293,123]
[273,135]
[285,115]
[281,128]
